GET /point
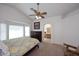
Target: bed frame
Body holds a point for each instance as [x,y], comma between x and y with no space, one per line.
[30,51]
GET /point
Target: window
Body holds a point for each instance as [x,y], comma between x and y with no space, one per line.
[15,31]
[3,31]
[27,31]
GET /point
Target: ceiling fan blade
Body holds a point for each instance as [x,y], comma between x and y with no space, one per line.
[38,7]
[32,15]
[34,10]
[42,17]
[44,13]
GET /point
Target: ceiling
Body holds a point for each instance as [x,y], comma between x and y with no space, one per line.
[52,9]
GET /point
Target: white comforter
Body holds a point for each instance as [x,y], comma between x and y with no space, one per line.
[20,46]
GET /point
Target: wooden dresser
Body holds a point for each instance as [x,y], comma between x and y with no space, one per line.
[37,35]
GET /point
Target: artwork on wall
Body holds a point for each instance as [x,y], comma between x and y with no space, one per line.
[36,25]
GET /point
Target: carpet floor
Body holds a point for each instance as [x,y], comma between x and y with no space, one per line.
[48,49]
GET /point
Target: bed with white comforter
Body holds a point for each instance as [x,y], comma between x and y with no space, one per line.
[20,46]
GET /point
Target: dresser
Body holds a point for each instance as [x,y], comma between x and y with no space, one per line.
[37,35]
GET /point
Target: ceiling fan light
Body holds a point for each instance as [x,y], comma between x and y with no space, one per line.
[38,17]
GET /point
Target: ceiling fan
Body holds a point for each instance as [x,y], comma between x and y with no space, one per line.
[38,14]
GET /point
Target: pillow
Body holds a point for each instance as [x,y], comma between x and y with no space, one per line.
[4,50]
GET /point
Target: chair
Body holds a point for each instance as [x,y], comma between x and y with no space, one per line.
[70,50]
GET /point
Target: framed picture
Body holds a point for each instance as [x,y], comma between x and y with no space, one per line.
[36,25]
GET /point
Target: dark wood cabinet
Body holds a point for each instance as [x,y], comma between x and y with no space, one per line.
[37,35]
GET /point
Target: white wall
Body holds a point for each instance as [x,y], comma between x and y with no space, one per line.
[11,14]
[71,28]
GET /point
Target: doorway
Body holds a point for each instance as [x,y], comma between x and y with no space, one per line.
[47,32]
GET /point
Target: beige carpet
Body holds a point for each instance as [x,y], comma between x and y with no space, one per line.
[47,49]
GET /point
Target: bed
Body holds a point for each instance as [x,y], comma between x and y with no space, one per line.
[21,46]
